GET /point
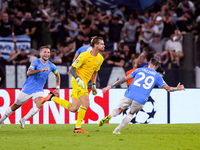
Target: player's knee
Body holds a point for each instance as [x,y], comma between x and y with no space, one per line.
[73,109]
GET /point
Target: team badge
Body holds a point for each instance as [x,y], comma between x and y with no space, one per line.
[32,64]
[76,61]
[98,62]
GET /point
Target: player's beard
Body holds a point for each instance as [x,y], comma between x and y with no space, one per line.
[45,59]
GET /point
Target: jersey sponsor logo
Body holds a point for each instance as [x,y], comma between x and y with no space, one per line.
[52,112]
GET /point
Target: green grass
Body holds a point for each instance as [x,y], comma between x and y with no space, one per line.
[134,136]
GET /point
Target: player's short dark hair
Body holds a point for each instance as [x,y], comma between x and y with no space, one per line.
[95,40]
[42,47]
[154,61]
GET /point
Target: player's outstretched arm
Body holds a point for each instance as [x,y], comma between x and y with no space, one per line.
[172,89]
[118,82]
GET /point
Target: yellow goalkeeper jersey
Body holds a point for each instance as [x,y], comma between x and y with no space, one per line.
[86,65]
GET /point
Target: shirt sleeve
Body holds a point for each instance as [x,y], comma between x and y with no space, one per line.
[134,73]
[160,82]
[33,65]
[79,61]
[54,68]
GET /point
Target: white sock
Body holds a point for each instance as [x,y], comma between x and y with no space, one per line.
[52,98]
[31,113]
[124,122]
[114,112]
[7,113]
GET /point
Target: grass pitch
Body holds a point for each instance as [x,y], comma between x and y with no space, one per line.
[134,136]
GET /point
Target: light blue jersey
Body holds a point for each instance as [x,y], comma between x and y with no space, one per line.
[35,83]
[144,81]
[83,49]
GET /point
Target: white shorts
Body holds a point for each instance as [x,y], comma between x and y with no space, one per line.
[23,97]
[126,102]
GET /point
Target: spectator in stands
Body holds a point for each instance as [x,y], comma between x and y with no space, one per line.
[5,25]
[20,57]
[81,14]
[20,14]
[140,45]
[104,25]
[186,4]
[19,28]
[127,55]
[185,22]
[129,30]
[54,58]
[115,26]
[57,29]
[169,28]
[106,55]
[79,39]
[68,54]
[174,46]
[157,45]
[159,25]
[147,31]
[116,59]
[30,24]
[87,32]
[72,26]
[33,55]
[46,34]
[39,15]
[120,11]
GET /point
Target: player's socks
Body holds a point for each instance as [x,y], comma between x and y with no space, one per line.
[124,122]
[64,103]
[114,112]
[7,113]
[31,113]
[104,120]
[81,115]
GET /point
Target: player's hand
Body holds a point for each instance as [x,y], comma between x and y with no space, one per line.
[44,69]
[80,82]
[56,91]
[180,86]
[94,90]
[106,89]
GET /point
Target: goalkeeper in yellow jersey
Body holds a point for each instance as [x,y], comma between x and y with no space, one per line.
[83,69]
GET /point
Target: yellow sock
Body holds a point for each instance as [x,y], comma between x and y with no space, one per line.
[64,103]
[81,115]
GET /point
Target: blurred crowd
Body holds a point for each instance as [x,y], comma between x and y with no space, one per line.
[66,25]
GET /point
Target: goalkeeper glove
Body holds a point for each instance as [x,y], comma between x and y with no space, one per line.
[80,82]
[94,90]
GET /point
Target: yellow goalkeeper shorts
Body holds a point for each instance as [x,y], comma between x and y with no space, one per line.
[78,91]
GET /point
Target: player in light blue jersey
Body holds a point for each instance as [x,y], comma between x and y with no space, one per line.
[138,92]
[33,87]
[84,48]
